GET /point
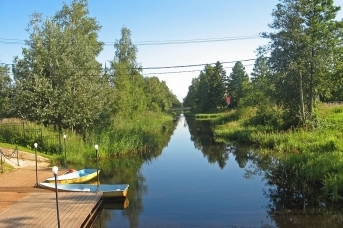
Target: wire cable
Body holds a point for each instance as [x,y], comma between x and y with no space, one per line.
[194,65]
[151,43]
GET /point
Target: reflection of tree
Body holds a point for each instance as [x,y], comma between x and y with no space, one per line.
[126,169]
[294,202]
[242,155]
[202,136]
[216,153]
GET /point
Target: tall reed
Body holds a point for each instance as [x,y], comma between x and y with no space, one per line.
[125,135]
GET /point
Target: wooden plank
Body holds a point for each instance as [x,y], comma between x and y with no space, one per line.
[22,205]
[83,213]
[39,210]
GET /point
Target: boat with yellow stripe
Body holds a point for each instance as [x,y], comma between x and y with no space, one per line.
[78,176]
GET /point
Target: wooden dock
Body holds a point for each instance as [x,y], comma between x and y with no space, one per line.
[24,205]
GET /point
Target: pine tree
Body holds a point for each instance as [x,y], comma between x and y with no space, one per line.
[237,84]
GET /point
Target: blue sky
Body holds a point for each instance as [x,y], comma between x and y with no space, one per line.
[159,20]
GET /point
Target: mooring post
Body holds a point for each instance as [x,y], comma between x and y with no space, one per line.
[36,145]
[55,171]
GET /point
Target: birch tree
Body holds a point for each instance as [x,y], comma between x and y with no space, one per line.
[302,52]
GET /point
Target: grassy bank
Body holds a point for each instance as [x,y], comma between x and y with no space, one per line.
[300,140]
[124,136]
[315,155]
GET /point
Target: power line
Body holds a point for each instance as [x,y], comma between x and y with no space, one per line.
[203,64]
[172,72]
[167,67]
[166,42]
[196,40]
[143,74]
[186,71]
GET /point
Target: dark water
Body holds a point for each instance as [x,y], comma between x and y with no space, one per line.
[194,182]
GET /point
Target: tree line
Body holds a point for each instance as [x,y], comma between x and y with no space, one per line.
[58,82]
[299,67]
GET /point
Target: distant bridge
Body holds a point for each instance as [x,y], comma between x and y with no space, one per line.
[180,108]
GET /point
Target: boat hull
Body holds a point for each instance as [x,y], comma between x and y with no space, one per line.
[114,194]
[108,190]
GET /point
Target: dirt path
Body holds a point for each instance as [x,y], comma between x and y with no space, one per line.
[23,205]
[22,159]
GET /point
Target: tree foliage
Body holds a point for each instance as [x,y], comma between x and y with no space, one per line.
[131,92]
[160,98]
[303,50]
[237,84]
[261,95]
[128,84]
[192,99]
[6,91]
[262,85]
[301,65]
[58,81]
[207,92]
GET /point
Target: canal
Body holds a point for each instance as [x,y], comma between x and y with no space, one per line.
[195,182]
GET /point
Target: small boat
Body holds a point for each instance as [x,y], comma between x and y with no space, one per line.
[79,176]
[108,190]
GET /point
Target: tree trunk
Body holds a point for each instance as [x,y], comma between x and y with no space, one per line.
[301,93]
[311,86]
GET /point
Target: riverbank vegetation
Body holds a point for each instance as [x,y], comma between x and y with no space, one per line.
[281,107]
[309,155]
[300,67]
[123,138]
[59,88]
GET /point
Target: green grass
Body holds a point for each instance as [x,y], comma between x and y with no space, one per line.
[314,154]
[124,136]
[12,147]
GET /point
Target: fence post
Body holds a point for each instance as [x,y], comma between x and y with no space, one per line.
[16,149]
[2,167]
[24,135]
[60,143]
[41,135]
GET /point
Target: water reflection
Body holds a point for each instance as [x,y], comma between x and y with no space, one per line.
[127,169]
[116,204]
[295,202]
[254,190]
[202,136]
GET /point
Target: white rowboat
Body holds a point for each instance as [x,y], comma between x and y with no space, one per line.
[108,190]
